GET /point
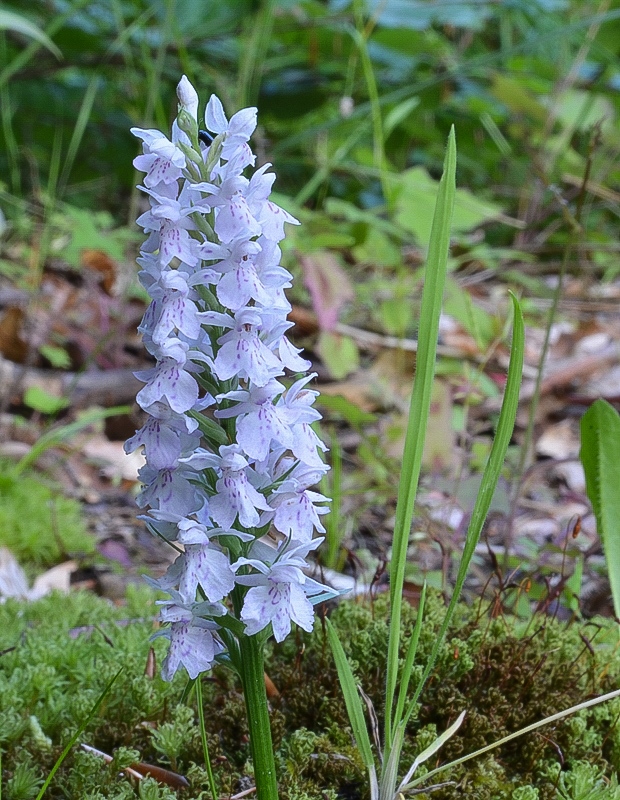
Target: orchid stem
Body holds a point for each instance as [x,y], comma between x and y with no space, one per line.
[253,678]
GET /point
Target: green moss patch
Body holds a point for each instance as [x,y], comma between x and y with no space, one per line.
[37,523]
[56,656]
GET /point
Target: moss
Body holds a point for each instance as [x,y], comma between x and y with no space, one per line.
[58,654]
[37,523]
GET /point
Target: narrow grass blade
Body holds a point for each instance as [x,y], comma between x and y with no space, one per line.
[360,35]
[78,132]
[490,477]
[203,736]
[10,140]
[409,662]
[64,432]
[54,25]
[252,65]
[15,22]
[419,411]
[432,749]
[351,697]
[553,718]
[76,735]
[600,446]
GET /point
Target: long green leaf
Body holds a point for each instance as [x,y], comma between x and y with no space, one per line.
[78,131]
[203,737]
[54,25]
[434,281]
[351,697]
[600,456]
[505,427]
[409,662]
[252,66]
[78,733]
[15,22]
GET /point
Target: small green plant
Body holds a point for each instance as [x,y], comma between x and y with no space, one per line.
[25,783]
[586,782]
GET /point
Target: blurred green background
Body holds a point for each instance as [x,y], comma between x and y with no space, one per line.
[348,93]
[355,103]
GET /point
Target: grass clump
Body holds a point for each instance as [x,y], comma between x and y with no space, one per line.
[56,656]
[37,523]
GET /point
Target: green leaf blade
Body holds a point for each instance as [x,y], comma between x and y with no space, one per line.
[16,22]
[490,477]
[419,410]
[600,456]
[351,697]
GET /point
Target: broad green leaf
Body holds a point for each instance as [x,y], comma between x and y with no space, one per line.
[399,113]
[15,22]
[517,97]
[38,399]
[378,249]
[91,232]
[57,356]
[396,315]
[339,354]
[337,209]
[351,697]
[476,321]
[346,409]
[581,110]
[416,194]
[435,276]
[213,432]
[600,456]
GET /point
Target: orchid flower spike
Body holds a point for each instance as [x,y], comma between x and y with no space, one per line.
[230,451]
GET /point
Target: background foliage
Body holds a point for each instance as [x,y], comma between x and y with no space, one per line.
[494,70]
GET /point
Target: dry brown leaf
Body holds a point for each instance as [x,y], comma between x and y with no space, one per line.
[102,263]
[271,688]
[559,441]
[112,459]
[150,670]
[57,578]
[12,344]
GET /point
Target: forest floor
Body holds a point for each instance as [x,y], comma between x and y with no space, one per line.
[540,532]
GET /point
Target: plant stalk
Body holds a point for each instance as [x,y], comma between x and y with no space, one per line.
[253,678]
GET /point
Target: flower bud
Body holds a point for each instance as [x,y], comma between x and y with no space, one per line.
[188,98]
